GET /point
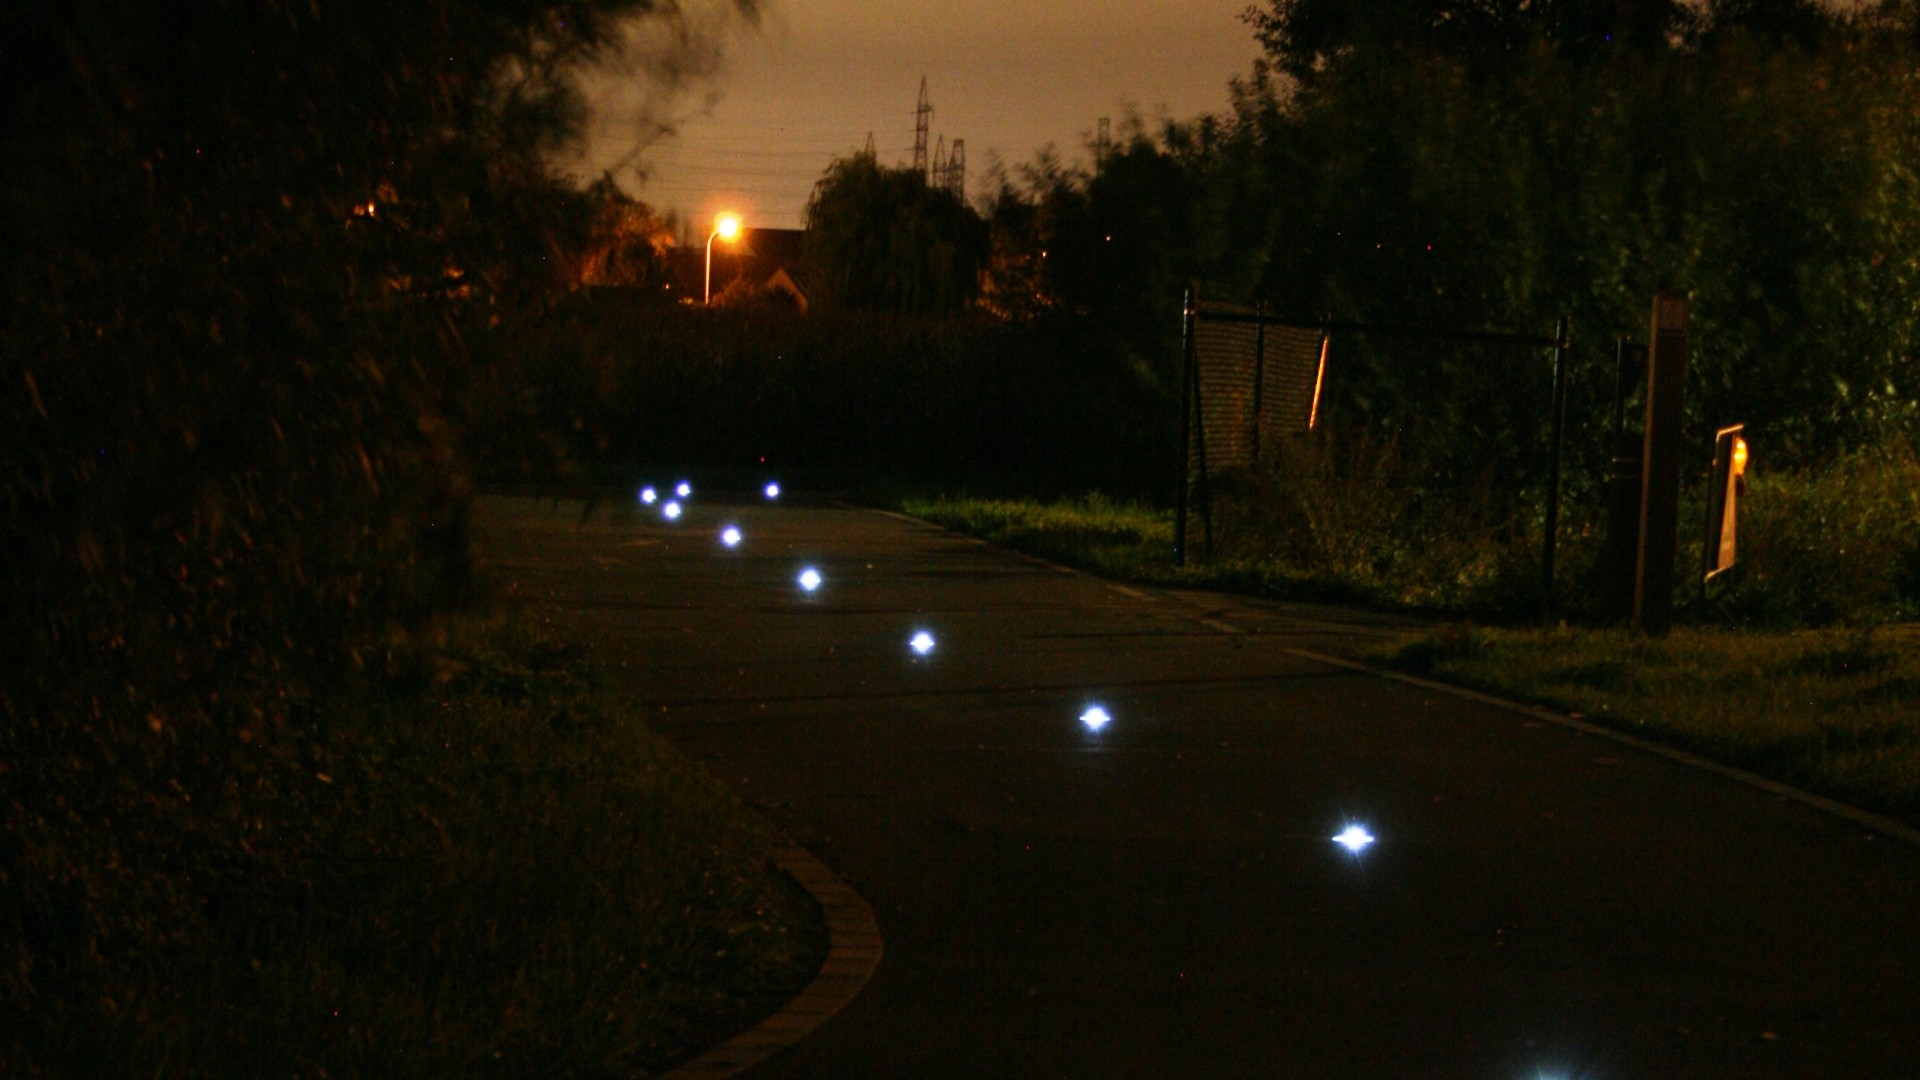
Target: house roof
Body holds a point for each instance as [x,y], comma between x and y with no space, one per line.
[779,248]
[758,256]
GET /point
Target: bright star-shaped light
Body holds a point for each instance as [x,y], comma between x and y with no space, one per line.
[730,536]
[684,489]
[671,511]
[1354,838]
[773,491]
[922,643]
[1095,718]
[649,496]
[810,579]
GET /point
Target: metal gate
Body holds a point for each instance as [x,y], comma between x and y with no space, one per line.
[1250,377]
[1261,381]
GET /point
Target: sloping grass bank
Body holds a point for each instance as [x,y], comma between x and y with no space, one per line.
[1832,711]
[497,871]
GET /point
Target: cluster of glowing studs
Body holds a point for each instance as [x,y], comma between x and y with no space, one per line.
[1354,838]
[671,509]
[922,643]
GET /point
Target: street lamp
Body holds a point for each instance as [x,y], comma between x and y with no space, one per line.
[726,227]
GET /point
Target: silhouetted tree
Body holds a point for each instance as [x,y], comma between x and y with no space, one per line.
[252,251]
[1305,36]
[620,240]
[1804,23]
[882,239]
[1760,167]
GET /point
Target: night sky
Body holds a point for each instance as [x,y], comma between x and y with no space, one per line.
[1008,76]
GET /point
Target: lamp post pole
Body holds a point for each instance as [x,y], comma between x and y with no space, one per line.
[726,226]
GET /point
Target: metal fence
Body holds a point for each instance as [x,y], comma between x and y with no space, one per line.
[1250,378]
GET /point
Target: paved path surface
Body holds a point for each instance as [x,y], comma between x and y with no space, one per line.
[1162,899]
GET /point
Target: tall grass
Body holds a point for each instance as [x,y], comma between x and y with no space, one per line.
[1362,517]
[1839,544]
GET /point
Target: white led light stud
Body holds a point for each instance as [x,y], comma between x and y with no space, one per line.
[1355,838]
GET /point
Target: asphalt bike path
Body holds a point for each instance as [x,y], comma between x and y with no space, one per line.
[1164,896]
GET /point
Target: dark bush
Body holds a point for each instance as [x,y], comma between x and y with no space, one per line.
[247,245]
[612,380]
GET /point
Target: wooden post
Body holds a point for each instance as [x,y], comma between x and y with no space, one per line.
[1660,465]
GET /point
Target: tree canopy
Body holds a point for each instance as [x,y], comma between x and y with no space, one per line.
[256,251]
[1306,37]
[882,238]
[1755,153]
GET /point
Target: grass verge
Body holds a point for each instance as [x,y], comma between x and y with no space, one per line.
[1834,711]
[1830,711]
[1123,540]
[1351,520]
[499,871]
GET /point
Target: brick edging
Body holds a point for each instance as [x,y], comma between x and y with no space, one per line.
[853,951]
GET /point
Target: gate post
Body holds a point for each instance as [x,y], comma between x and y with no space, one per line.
[1186,428]
[1660,465]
